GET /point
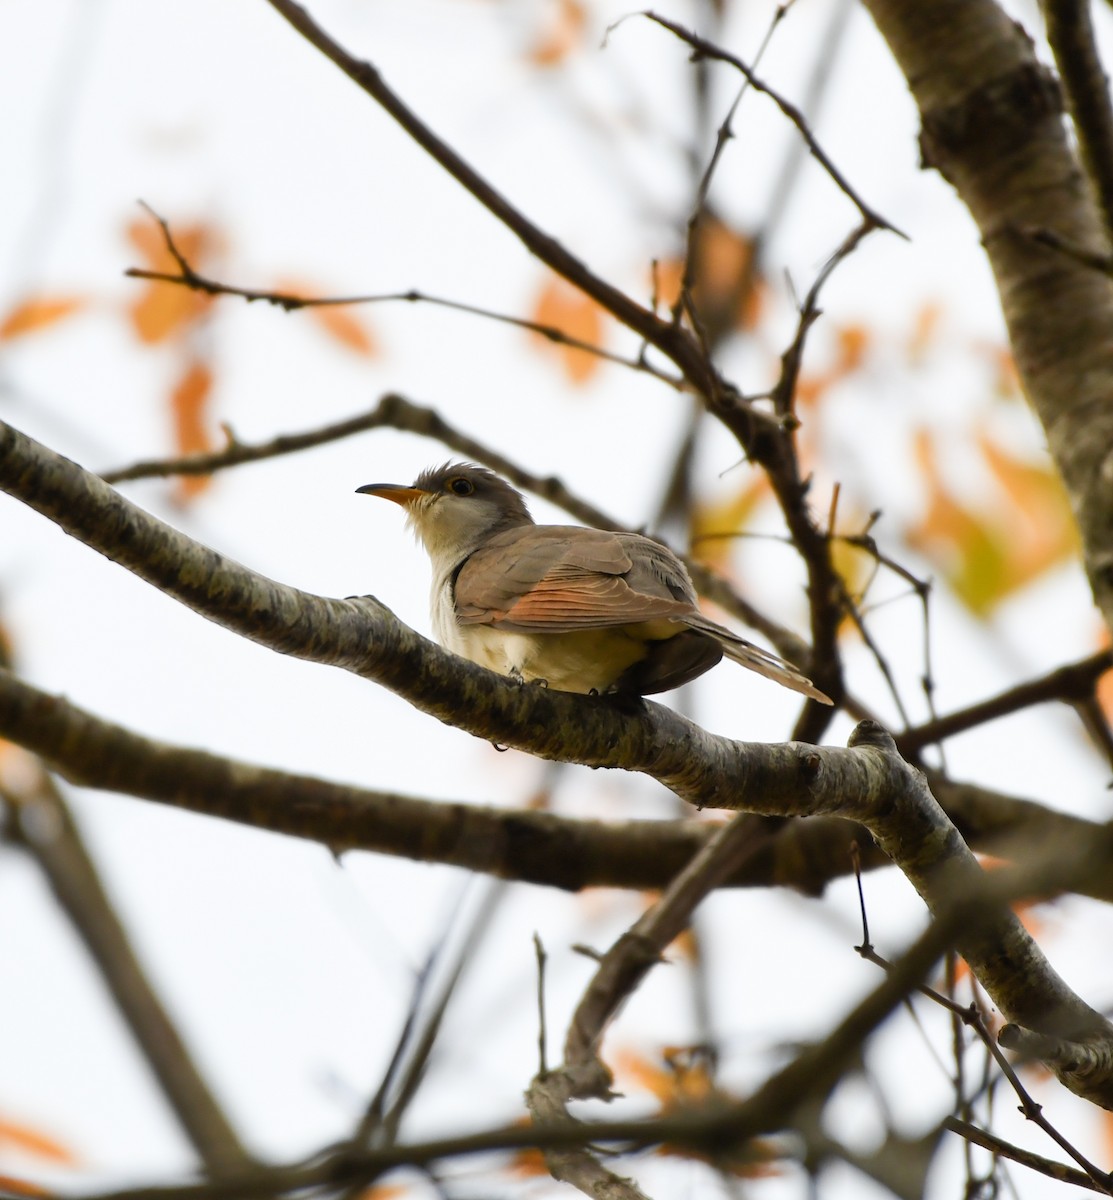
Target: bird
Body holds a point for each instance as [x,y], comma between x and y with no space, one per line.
[575,609]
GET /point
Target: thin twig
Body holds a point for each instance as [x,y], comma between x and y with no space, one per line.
[1036,1162]
[972,1018]
[192,279]
[708,49]
[542,1036]
[1074,682]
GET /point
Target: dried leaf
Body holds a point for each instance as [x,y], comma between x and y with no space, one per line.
[715,525]
[189,406]
[1105,683]
[990,550]
[925,329]
[565,308]
[527,1163]
[726,290]
[35,1143]
[685,1084]
[1006,378]
[340,322]
[37,312]
[10,1185]
[853,341]
[164,310]
[854,565]
[562,35]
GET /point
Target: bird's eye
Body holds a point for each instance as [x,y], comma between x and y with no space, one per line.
[462,487]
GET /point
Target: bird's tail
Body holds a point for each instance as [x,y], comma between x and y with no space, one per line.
[756,659]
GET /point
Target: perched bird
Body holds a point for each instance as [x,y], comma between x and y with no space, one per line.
[582,610]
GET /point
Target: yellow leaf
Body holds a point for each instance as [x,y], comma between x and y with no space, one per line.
[37,312]
[565,308]
[715,525]
[988,551]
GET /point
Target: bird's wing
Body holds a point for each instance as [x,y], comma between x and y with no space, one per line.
[555,578]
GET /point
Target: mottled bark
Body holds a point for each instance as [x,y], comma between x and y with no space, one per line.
[993,126]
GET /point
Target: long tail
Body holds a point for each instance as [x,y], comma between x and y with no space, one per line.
[756,659]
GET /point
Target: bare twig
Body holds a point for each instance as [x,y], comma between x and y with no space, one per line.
[542,1036]
[970,1016]
[1072,683]
[366,76]
[706,49]
[291,302]
[1036,1162]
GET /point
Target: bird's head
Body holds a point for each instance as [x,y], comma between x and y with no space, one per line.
[455,508]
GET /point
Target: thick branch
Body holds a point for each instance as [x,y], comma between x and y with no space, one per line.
[992,125]
[867,782]
[531,847]
[1070,33]
[45,826]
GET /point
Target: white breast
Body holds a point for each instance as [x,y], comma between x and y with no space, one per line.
[585,661]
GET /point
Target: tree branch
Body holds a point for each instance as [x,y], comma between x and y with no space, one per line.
[44,826]
[867,782]
[1071,683]
[1070,34]
[992,125]
[705,49]
[531,847]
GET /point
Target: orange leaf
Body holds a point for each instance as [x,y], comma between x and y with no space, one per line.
[37,312]
[163,310]
[34,1142]
[563,34]
[1107,1131]
[527,1163]
[189,405]
[337,320]
[686,1084]
[853,342]
[725,289]
[925,328]
[21,1187]
[1105,683]
[349,330]
[1006,379]
[565,308]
